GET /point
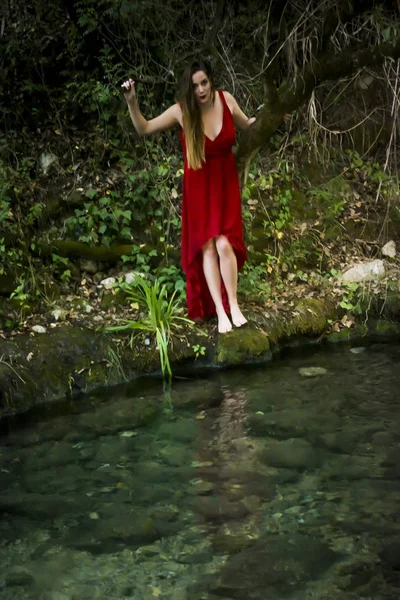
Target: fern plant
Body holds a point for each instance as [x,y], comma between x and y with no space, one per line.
[163,316]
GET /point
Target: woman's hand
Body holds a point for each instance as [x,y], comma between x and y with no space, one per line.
[129,91]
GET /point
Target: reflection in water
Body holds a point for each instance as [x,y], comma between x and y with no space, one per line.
[231,423]
[246,485]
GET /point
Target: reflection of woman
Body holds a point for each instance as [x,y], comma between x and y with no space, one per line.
[212,237]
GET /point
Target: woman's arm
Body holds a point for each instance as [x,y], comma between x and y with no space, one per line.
[239,118]
[170,117]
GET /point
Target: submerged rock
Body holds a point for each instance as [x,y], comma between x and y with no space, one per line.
[274,567]
[312,371]
[291,454]
[19,576]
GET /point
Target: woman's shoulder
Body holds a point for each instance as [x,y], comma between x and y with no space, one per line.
[229,99]
[177,108]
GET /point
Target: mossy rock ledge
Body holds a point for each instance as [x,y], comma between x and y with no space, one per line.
[241,346]
[65,361]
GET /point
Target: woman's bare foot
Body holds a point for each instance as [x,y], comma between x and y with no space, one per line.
[224,324]
[238,319]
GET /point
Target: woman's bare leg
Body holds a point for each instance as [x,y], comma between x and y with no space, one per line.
[229,273]
[213,279]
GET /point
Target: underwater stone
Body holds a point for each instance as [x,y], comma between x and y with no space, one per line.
[291,454]
[19,576]
[312,371]
[274,566]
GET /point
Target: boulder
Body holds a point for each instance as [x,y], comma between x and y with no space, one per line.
[369,271]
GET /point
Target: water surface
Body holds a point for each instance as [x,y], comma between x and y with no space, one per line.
[249,484]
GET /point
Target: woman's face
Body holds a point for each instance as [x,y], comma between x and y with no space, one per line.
[201,87]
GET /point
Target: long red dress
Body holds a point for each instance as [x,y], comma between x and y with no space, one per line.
[211,207]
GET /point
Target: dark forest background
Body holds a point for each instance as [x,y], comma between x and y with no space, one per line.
[77,184]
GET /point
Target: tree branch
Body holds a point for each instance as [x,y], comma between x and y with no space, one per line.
[327,66]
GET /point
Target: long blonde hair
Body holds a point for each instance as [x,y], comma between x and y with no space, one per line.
[192,121]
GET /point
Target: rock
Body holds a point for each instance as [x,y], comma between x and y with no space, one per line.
[341,441]
[108,283]
[58,314]
[369,271]
[131,276]
[200,487]
[81,305]
[390,555]
[89,266]
[39,329]
[389,249]
[46,159]
[19,576]
[196,558]
[357,350]
[242,345]
[291,454]
[218,509]
[181,430]
[274,567]
[54,595]
[312,371]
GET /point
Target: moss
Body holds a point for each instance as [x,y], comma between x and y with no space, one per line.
[8,283]
[387,328]
[242,345]
[386,306]
[301,207]
[344,335]
[311,317]
[391,305]
[109,299]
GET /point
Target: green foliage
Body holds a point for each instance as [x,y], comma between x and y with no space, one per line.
[101,221]
[199,350]
[366,169]
[330,204]
[351,297]
[254,280]
[163,316]
[173,279]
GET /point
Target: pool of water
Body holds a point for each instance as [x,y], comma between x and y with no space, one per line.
[274,482]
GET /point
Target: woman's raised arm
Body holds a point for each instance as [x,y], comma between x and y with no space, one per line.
[167,119]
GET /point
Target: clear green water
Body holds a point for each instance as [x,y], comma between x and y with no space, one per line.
[251,484]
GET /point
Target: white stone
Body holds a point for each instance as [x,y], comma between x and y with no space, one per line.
[312,371]
[108,283]
[58,314]
[46,160]
[87,308]
[389,249]
[39,329]
[131,276]
[369,271]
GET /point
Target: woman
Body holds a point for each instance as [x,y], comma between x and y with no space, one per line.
[212,237]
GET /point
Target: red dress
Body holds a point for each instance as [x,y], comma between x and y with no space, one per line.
[211,207]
